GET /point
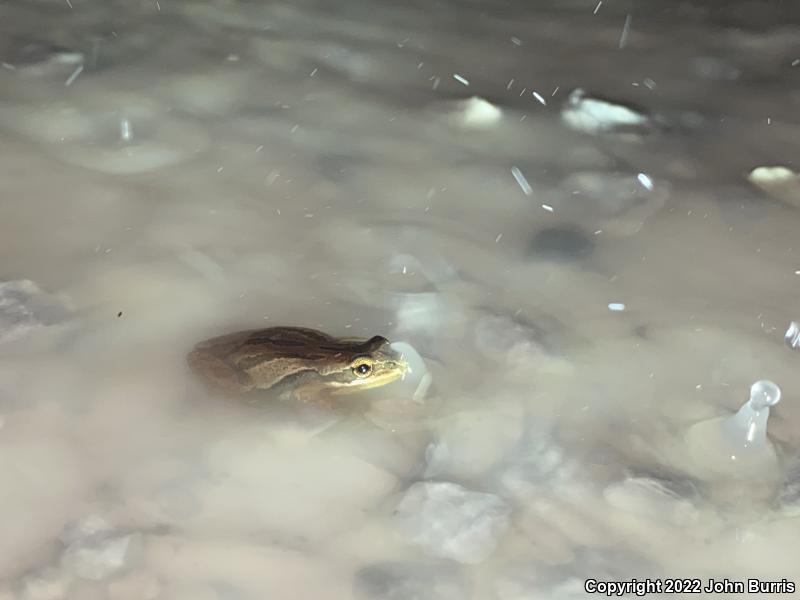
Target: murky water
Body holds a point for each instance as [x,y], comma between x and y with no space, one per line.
[173,170]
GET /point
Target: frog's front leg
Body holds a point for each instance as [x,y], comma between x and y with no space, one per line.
[314,395]
[218,374]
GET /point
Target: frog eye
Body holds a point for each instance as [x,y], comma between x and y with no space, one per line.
[362,367]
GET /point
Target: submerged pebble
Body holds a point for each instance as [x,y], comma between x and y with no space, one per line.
[588,114]
[471,442]
[24,307]
[410,581]
[780,182]
[651,498]
[450,521]
[47,584]
[98,557]
[612,202]
[476,113]
[562,243]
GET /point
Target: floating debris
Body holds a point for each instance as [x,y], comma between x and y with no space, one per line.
[523,183]
[626,31]
[616,307]
[540,98]
[125,131]
[645,180]
[71,79]
[460,79]
[793,336]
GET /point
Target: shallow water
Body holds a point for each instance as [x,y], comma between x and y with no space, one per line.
[175,170]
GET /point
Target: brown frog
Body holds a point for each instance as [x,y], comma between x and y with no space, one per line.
[296,362]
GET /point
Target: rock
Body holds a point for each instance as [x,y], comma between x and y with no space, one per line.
[38,56]
[47,584]
[261,481]
[135,586]
[517,345]
[540,465]
[476,113]
[653,499]
[195,568]
[779,182]
[450,521]
[616,203]
[530,580]
[525,585]
[716,69]
[91,526]
[595,115]
[23,307]
[34,471]
[562,243]
[470,442]
[410,581]
[100,556]
[787,499]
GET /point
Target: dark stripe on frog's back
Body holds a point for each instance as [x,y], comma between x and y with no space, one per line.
[288,336]
[298,337]
[276,373]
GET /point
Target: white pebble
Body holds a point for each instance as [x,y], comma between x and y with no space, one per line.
[478,113]
[450,521]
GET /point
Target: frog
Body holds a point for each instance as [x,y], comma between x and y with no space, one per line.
[295,363]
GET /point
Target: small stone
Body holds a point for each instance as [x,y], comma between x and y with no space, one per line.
[788,497]
[90,526]
[477,113]
[709,67]
[135,586]
[595,115]
[614,202]
[565,581]
[517,341]
[450,521]
[470,442]
[410,581]
[48,584]
[32,54]
[562,243]
[97,558]
[651,498]
[778,181]
[23,307]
